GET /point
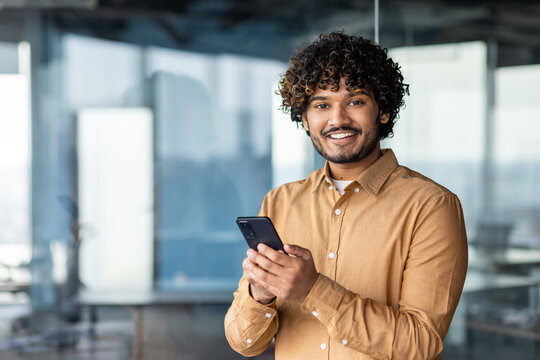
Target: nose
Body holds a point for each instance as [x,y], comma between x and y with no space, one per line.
[339,117]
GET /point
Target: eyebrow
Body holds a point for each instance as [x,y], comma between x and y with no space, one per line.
[361,92]
[350,95]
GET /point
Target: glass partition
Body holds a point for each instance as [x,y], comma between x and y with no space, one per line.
[440,130]
[517,154]
[213,162]
[131,137]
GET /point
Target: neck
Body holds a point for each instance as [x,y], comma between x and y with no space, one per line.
[350,171]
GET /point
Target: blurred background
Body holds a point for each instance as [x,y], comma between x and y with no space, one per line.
[133,133]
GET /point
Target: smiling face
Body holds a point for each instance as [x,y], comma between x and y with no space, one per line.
[344,126]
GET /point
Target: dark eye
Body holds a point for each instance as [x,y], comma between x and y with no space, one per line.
[321,106]
[356,102]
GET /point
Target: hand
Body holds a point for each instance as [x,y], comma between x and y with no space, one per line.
[259,294]
[273,273]
[262,296]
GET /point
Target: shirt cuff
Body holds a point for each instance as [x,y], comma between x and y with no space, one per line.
[323,299]
[250,325]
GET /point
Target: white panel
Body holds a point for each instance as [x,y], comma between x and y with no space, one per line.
[445,112]
[14,159]
[116,198]
[517,125]
[292,151]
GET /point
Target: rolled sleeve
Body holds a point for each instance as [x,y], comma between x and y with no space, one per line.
[249,325]
[324,298]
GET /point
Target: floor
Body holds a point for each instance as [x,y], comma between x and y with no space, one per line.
[112,339]
[107,340]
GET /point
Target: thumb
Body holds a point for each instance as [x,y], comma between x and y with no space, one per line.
[298,251]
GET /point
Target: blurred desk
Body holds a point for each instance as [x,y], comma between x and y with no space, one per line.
[488,303]
[478,281]
[155,298]
[142,301]
[499,259]
[13,287]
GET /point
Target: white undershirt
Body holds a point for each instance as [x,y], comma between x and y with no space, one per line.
[341,185]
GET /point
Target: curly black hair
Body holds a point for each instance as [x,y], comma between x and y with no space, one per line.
[360,62]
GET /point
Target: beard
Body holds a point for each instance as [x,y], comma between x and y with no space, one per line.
[343,156]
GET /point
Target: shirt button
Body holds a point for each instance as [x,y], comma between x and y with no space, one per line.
[330,188]
[323,346]
[331,255]
[337,212]
[268,315]
[357,190]
[315,313]
[344,342]
[248,341]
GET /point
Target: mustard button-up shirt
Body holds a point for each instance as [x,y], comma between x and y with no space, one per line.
[391,253]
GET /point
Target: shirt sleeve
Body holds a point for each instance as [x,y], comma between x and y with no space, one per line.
[432,283]
[249,325]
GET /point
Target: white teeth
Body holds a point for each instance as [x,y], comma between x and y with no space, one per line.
[341,135]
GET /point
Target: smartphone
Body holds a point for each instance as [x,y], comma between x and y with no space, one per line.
[259,229]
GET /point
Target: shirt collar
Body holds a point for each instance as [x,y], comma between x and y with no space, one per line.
[373,178]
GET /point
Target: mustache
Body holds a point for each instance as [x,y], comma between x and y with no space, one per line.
[342,128]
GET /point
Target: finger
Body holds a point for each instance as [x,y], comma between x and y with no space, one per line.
[249,279]
[265,263]
[277,257]
[256,289]
[297,251]
[262,285]
[263,278]
[250,267]
[247,265]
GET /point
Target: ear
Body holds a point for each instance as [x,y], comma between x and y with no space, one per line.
[383,118]
[305,123]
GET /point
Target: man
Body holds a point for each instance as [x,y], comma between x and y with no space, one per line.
[380,252]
